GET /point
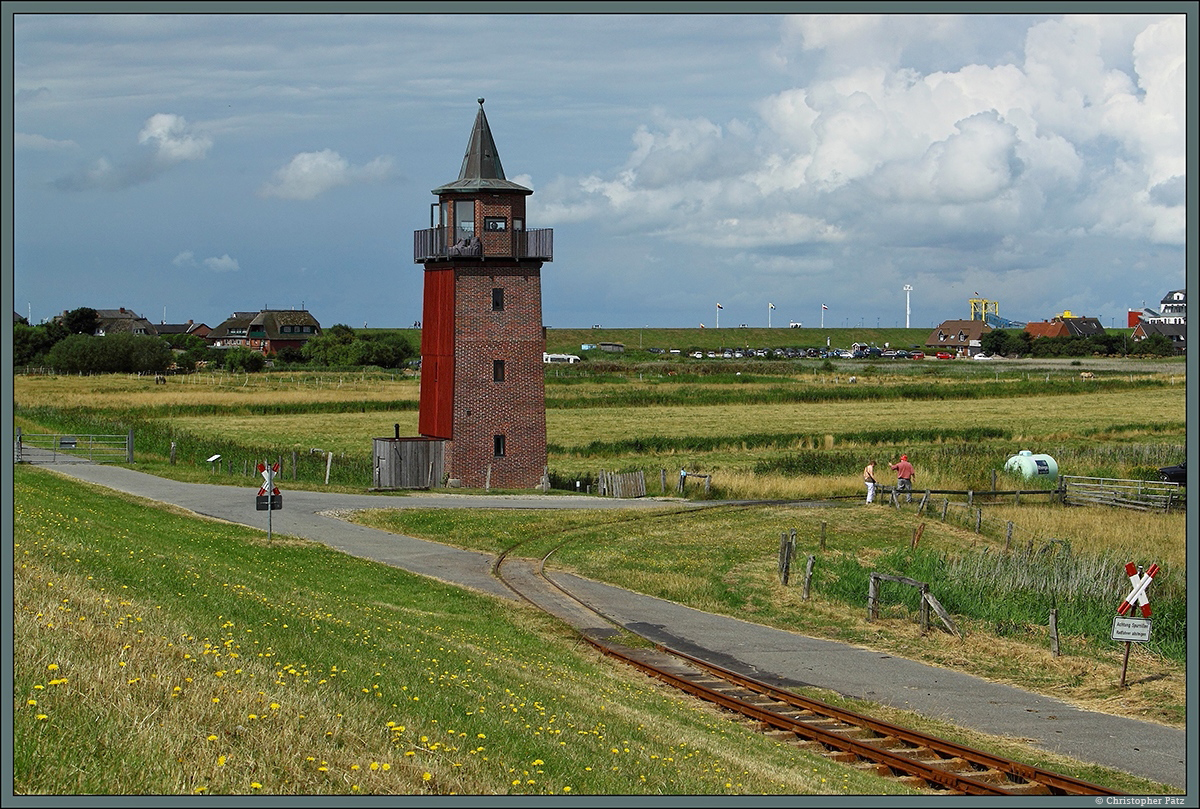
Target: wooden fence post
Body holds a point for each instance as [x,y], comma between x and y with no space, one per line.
[873,597]
[924,609]
[978,519]
[172,453]
[945,507]
[1008,532]
[808,571]
[1054,632]
[822,535]
[329,465]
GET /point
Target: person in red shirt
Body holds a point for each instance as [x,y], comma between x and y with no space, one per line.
[904,476]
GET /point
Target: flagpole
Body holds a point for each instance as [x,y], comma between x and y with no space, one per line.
[769,307]
[718,315]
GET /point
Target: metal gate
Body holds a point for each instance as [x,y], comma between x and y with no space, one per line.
[48,448]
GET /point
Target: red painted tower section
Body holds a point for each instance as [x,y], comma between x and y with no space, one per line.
[482,377]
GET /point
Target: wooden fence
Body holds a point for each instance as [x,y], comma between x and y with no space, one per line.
[1141,495]
[622,484]
[927,601]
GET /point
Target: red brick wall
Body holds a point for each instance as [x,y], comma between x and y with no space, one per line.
[483,408]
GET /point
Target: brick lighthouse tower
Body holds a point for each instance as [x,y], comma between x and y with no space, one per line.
[482,378]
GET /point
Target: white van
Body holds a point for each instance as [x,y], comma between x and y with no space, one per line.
[569,358]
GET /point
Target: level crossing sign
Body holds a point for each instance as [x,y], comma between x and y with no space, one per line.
[269,497]
[1140,581]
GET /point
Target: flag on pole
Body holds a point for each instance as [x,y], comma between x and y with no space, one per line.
[771,305]
[823,307]
[719,306]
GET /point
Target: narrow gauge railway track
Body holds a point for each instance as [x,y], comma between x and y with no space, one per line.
[919,760]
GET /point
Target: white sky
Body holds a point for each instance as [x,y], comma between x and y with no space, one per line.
[190,166]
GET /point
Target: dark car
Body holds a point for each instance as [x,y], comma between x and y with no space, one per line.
[1174,474]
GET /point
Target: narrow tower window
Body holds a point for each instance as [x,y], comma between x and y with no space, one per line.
[497,299]
[497,370]
[498,446]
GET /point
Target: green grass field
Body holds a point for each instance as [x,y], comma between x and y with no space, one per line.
[771,431]
[158,653]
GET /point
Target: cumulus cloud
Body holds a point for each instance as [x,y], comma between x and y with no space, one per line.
[172,140]
[310,174]
[168,141]
[1082,132]
[221,264]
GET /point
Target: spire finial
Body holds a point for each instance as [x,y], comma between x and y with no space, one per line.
[480,101]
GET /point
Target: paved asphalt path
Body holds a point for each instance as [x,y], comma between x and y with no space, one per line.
[786,658]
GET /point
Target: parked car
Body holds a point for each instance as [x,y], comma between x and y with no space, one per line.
[1174,474]
[917,355]
[943,355]
[981,357]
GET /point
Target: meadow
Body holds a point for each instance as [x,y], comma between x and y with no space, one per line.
[162,654]
[773,433]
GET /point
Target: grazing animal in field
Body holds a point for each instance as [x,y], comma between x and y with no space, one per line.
[1087,375]
[853,380]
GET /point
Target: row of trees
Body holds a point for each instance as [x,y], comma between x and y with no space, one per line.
[68,344]
[1022,344]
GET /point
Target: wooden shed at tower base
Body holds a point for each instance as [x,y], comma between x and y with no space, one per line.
[408,463]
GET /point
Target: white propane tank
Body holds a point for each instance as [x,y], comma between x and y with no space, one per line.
[1029,465]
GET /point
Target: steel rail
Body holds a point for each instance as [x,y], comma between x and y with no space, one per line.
[1018,778]
[1056,782]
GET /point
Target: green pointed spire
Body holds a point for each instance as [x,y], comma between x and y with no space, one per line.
[481,167]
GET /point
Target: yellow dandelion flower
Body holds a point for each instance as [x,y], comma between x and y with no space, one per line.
[426,776]
[374,765]
[255,785]
[386,766]
[354,766]
[198,790]
[274,706]
[221,761]
[52,667]
[41,716]
[212,737]
[31,702]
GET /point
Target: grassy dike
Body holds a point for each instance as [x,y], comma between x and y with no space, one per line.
[159,653]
